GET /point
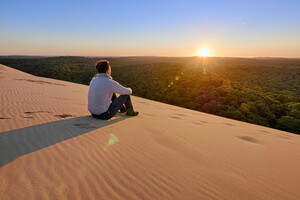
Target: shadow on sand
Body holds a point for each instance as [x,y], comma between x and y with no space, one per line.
[16,143]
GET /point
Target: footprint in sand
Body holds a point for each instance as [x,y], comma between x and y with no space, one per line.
[249,139]
[263,131]
[40,81]
[198,123]
[33,112]
[5,118]
[175,117]
[180,114]
[63,116]
[229,124]
[29,117]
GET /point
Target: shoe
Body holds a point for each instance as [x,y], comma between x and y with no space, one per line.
[123,110]
[130,112]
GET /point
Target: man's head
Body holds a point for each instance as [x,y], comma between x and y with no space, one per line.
[103,66]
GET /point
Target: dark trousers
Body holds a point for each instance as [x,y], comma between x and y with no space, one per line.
[117,104]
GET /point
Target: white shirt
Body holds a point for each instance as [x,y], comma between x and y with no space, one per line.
[100,92]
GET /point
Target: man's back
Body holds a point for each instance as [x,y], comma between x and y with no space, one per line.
[100,92]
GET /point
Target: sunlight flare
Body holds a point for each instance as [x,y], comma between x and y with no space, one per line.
[204,52]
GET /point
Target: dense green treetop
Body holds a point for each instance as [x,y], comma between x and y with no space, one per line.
[264,91]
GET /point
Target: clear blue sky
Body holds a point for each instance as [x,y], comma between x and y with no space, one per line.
[150,27]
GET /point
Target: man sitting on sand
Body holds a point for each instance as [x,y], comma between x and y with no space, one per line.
[102,101]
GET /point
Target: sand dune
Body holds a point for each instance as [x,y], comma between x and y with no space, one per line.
[50,148]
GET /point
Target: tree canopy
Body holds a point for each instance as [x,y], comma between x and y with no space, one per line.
[264,91]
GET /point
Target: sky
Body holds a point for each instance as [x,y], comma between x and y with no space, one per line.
[256,28]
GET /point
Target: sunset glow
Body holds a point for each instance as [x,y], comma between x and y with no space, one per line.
[204,52]
[141,28]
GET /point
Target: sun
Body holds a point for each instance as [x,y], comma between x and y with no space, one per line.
[204,52]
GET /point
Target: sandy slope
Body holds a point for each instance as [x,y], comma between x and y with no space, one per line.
[50,148]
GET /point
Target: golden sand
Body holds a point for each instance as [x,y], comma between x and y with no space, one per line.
[51,148]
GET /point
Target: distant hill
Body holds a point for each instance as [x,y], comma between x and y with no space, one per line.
[21,57]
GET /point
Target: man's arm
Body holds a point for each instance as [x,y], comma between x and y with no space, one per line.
[117,88]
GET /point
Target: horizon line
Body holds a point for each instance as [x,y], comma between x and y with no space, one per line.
[28,55]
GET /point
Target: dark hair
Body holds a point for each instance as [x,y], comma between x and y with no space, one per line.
[102,66]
